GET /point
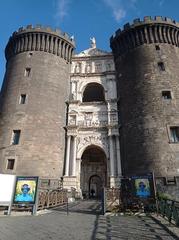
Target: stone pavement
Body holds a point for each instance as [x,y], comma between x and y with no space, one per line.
[83,223]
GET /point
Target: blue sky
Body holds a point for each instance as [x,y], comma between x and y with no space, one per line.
[81,18]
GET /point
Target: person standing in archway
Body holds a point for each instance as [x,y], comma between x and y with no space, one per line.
[92,193]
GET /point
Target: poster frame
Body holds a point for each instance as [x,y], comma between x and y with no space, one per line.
[150,178]
[25,178]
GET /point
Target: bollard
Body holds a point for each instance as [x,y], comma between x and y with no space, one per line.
[103,201]
[67,208]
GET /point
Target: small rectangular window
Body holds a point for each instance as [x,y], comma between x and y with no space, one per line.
[10,164]
[16,137]
[166,95]
[157,47]
[174,134]
[22,99]
[27,72]
[161,66]
[170,181]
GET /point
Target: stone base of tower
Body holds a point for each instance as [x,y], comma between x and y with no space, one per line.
[115,182]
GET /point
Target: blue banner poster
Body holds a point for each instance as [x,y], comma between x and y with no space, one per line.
[25,190]
[144,186]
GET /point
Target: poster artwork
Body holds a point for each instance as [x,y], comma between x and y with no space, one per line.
[142,187]
[25,190]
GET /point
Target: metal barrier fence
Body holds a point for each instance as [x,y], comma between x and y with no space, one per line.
[51,198]
[169,209]
[111,200]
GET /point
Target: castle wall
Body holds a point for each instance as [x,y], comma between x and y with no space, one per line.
[41,119]
[146,116]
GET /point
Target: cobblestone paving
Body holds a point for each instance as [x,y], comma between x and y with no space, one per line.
[82,223]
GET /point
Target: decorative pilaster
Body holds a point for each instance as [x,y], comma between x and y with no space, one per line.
[78,173]
[74,157]
[119,171]
[111,156]
[67,162]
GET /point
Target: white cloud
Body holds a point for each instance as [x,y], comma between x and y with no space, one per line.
[62,7]
[120,8]
[117,9]
[119,14]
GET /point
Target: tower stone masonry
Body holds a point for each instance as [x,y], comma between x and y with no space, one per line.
[33,95]
[146,56]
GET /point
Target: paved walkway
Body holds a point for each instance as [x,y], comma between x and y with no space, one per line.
[82,223]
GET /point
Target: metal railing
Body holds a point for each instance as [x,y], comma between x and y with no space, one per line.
[169,209]
[51,198]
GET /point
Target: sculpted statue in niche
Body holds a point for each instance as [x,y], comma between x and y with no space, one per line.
[108,66]
[73,96]
[88,67]
[72,120]
[113,117]
[77,68]
[88,119]
[98,67]
[73,90]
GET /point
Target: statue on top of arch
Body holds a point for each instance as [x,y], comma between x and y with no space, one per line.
[93,42]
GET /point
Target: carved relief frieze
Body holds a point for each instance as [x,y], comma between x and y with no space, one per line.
[87,140]
[93,119]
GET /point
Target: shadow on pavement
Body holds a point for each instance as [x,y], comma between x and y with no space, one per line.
[129,228]
[165,228]
[119,227]
[84,207]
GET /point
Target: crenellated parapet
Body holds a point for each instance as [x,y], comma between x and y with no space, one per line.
[39,38]
[150,30]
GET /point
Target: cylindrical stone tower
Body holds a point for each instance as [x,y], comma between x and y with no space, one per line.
[146,57]
[32,102]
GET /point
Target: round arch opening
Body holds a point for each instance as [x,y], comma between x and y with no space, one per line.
[94,92]
[93,172]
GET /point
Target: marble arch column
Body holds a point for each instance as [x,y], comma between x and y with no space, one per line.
[67,162]
[74,157]
[111,149]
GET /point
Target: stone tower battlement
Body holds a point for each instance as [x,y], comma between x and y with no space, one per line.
[150,30]
[39,38]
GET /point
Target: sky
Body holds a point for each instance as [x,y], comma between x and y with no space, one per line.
[79,18]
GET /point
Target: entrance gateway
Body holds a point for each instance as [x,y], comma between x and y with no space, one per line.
[93,172]
[92,158]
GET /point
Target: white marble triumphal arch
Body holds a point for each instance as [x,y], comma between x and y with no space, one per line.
[92,146]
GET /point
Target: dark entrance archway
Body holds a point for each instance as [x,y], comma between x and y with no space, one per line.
[93,172]
[95,186]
